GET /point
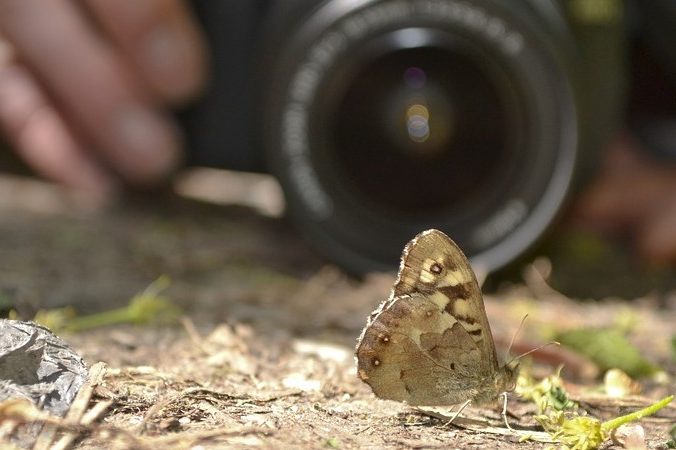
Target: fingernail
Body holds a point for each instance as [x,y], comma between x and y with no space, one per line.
[167,55]
[151,146]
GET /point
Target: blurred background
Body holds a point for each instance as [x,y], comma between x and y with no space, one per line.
[327,134]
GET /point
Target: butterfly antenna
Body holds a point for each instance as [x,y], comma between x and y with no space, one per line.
[529,351]
[534,350]
[511,343]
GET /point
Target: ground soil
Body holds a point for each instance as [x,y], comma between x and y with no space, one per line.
[263,353]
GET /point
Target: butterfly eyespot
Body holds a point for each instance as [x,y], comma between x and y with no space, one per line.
[436,268]
[376,362]
[384,338]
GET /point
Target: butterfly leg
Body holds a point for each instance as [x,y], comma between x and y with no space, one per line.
[504,411]
[455,416]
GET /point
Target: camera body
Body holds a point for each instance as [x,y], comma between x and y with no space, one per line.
[381,118]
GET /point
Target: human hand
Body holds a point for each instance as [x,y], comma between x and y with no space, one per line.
[634,195]
[84,86]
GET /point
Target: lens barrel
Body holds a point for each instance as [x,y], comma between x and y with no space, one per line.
[388,117]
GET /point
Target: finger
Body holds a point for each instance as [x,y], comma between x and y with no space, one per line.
[162,41]
[41,137]
[81,73]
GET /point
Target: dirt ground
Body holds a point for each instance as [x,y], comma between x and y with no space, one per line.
[263,353]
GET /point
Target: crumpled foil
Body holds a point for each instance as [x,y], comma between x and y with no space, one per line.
[37,365]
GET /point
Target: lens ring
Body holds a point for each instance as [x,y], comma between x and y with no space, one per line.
[365,238]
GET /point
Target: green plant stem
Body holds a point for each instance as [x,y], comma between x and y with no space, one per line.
[636,415]
[112,317]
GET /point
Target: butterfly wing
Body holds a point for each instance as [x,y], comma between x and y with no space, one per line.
[415,352]
[433,265]
[430,342]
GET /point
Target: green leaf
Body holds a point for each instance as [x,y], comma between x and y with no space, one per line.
[609,349]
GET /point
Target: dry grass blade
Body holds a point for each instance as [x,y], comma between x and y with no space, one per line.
[189,439]
[484,427]
[90,416]
[7,427]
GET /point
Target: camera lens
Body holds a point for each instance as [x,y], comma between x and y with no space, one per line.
[411,114]
[389,117]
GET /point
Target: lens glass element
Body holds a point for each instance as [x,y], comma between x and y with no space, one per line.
[421,130]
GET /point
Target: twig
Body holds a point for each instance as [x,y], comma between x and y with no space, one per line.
[7,427]
[483,427]
[89,418]
[46,436]
[81,402]
[193,438]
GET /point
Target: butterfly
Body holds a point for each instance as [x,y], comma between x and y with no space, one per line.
[429,343]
